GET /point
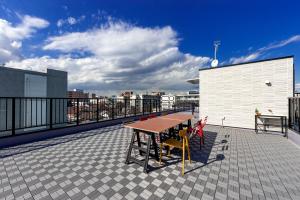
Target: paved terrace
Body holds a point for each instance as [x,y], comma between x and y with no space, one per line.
[235,164]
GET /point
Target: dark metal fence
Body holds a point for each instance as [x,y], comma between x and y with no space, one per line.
[294,113]
[19,115]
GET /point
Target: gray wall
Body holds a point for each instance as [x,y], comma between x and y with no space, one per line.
[57,83]
[234,92]
[12,82]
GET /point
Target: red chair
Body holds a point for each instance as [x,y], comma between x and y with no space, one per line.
[200,131]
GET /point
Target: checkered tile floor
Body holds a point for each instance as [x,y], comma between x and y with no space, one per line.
[234,164]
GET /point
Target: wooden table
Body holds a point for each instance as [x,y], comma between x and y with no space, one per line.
[151,128]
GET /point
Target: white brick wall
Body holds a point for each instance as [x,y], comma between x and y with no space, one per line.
[234,92]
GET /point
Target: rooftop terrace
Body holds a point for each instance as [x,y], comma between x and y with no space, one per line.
[234,164]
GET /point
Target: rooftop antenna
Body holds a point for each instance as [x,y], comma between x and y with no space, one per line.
[215,61]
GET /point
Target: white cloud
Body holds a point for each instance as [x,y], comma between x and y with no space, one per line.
[120,56]
[261,51]
[60,22]
[70,21]
[246,58]
[11,36]
[16,44]
[25,29]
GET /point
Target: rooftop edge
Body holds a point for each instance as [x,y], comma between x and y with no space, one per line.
[243,63]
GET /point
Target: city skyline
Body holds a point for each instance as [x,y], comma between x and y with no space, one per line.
[149,46]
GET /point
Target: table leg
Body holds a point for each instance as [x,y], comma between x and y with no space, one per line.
[130,147]
[180,126]
[155,146]
[139,141]
[189,123]
[147,153]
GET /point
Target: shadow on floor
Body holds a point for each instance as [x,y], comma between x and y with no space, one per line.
[197,155]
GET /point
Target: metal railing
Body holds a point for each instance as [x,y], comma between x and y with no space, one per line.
[19,115]
[294,113]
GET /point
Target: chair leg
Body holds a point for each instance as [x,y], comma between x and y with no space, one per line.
[183,157]
[161,146]
[200,143]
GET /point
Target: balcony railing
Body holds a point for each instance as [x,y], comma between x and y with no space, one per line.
[294,113]
[19,115]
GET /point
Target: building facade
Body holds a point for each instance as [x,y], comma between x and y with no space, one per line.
[77,93]
[31,92]
[167,101]
[231,94]
[190,97]
[26,83]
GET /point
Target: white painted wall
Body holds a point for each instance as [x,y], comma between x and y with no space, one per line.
[234,92]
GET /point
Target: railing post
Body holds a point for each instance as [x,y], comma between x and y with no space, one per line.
[112,109]
[281,124]
[159,106]
[289,117]
[150,105]
[125,102]
[77,114]
[135,107]
[51,113]
[143,105]
[13,115]
[298,115]
[255,124]
[97,111]
[286,128]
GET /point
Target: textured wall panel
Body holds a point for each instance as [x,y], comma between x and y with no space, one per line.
[234,92]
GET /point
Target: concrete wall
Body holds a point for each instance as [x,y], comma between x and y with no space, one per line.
[234,92]
[57,83]
[12,82]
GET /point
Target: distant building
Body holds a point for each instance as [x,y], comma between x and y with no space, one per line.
[158,93]
[189,97]
[77,93]
[150,102]
[131,101]
[25,83]
[127,94]
[167,101]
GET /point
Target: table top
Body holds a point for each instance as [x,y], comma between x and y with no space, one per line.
[160,124]
[178,116]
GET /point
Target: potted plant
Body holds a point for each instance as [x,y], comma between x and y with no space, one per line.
[257,112]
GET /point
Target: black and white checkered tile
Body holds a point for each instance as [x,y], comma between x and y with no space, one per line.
[233,164]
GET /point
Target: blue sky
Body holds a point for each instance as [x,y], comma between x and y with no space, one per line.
[110,46]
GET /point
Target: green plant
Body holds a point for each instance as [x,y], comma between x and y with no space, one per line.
[256,110]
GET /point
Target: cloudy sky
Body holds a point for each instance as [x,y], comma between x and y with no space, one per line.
[111,46]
